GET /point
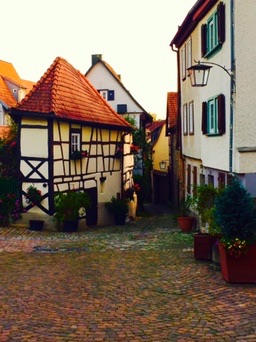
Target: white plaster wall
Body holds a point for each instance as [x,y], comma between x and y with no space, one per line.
[100,77]
[213,151]
[245,115]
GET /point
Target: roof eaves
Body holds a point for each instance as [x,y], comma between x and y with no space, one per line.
[4,104]
[196,13]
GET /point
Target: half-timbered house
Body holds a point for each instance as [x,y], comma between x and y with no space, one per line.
[69,137]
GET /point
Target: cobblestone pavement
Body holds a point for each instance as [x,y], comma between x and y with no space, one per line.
[134,283]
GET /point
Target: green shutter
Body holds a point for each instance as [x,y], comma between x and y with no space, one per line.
[221,23]
[204,40]
[204,118]
[221,114]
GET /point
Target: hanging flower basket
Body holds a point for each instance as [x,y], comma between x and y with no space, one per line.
[33,195]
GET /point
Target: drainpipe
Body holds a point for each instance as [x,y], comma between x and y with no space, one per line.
[179,142]
[232,86]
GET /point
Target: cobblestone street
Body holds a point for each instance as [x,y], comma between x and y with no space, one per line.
[135,283]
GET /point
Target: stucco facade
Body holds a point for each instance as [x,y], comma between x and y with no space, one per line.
[213,153]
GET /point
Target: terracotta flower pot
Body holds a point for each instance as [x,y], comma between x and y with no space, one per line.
[186,224]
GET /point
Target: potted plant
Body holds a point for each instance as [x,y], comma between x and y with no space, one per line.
[118,207]
[69,208]
[235,214]
[185,221]
[34,197]
[203,203]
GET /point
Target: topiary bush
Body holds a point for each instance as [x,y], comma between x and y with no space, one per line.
[235,212]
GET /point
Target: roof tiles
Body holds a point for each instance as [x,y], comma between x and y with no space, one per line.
[8,73]
[172,109]
[66,93]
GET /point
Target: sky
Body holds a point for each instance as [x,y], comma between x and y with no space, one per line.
[133,37]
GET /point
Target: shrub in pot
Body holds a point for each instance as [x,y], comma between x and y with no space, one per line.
[203,203]
[69,208]
[118,207]
[185,221]
[236,216]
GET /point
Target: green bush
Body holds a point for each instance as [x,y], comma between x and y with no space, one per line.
[67,205]
[118,206]
[235,212]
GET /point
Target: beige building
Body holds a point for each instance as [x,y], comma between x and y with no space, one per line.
[217,120]
[70,138]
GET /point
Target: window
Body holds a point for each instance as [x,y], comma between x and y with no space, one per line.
[108,95]
[103,93]
[213,32]
[213,116]
[111,95]
[183,62]
[210,180]
[222,180]
[185,120]
[189,53]
[121,108]
[191,118]
[186,57]
[75,141]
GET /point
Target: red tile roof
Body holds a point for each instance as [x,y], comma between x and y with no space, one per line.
[172,109]
[155,125]
[8,73]
[64,92]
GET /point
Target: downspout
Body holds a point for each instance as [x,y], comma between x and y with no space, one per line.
[232,86]
[179,140]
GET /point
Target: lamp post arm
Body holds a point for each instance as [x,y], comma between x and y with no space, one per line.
[218,65]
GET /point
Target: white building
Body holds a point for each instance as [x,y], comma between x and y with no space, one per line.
[217,121]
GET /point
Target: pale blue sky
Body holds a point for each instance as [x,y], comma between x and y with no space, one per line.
[133,37]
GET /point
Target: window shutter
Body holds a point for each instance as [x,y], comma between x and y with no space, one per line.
[204,39]
[111,95]
[221,114]
[204,117]
[221,22]
[121,108]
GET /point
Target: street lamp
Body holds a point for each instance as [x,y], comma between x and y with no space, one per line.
[199,73]
[163,164]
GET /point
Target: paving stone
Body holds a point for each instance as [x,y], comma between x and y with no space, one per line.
[135,283]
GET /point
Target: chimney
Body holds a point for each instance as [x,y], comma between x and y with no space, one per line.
[95,58]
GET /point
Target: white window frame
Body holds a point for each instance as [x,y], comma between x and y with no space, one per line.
[189,53]
[212,33]
[185,119]
[75,141]
[104,94]
[191,117]
[212,115]
[183,62]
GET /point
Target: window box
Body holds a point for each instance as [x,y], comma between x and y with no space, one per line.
[78,154]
